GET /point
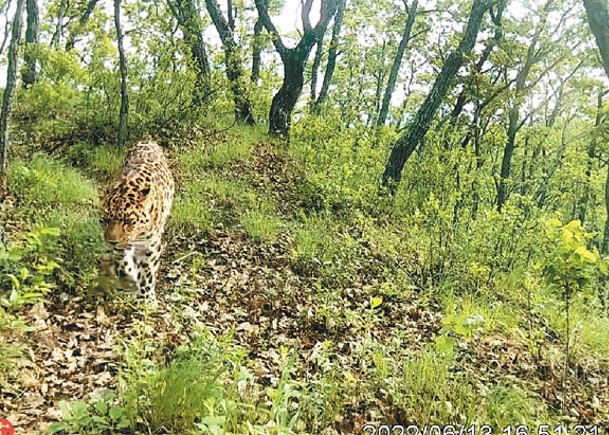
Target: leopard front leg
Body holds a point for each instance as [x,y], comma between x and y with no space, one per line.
[147,257]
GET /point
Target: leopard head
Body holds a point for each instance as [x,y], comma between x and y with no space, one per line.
[127,213]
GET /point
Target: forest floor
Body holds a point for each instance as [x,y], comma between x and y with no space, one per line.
[316,311]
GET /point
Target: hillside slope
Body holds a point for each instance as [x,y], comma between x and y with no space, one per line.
[282,310]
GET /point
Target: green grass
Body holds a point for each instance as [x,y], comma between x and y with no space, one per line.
[45,182]
[216,155]
[106,161]
[468,315]
[52,194]
[191,213]
[261,226]
[595,335]
[206,388]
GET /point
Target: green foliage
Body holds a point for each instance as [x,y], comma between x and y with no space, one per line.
[261,226]
[208,387]
[470,316]
[217,155]
[511,405]
[100,416]
[190,212]
[11,350]
[569,267]
[28,268]
[56,197]
[43,183]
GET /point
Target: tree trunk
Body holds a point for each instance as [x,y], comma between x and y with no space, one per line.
[605,244]
[234,69]
[405,146]
[56,38]
[591,152]
[124,110]
[514,125]
[287,96]
[30,72]
[186,15]
[81,23]
[332,55]
[397,61]
[294,60]
[256,51]
[486,52]
[315,69]
[9,93]
[598,18]
[508,152]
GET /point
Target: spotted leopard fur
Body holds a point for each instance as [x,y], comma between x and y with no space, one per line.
[135,211]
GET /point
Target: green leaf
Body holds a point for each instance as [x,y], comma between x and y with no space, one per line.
[101,407]
[58,427]
[116,413]
[375,302]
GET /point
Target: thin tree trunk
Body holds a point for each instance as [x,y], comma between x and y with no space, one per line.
[186,14]
[605,244]
[81,23]
[315,69]
[9,93]
[397,62]
[234,69]
[30,72]
[405,146]
[56,38]
[124,110]
[488,49]
[591,152]
[332,55]
[514,125]
[256,51]
[379,74]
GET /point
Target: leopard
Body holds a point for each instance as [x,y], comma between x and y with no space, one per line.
[135,210]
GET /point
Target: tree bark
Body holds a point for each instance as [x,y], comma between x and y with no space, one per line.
[56,38]
[9,93]
[605,244]
[32,31]
[186,14]
[598,18]
[234,69]
[397,62]
[591,153]
[315,69]
[405,146]
[514,124]
[81,23]
[486,52]
[332,56]
[124,110]
[294,61]
[256,51]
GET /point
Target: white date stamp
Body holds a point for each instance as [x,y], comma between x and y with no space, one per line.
[543,429]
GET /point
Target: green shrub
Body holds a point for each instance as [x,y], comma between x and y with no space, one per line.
[28,267]
[100,416]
